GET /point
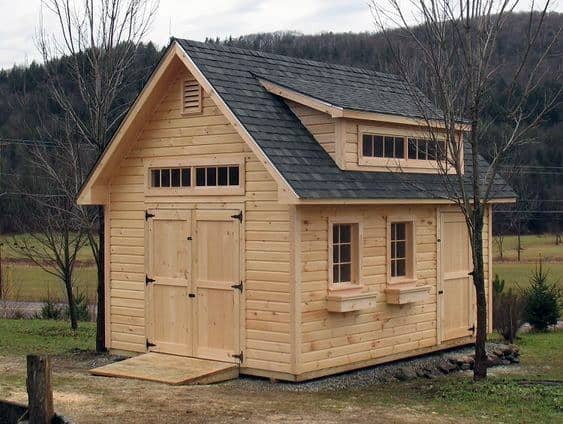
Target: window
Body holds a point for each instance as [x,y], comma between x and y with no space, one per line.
[401,245]
[424,149]
[170,177]
[383,146]
[191,96]
[344,251]
[217,176]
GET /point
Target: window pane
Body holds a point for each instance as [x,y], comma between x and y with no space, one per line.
[400,249]
[393,268]
[389,143]
[401,231]
[335,275]
[175,176]
[200,176]
[233,175]
[345,273]
[422,149]
[222,176]
[367,141]
[431,149]
[345,253]
[335,255]
[335,233]
[345,233]
[155,177]
[378,146]
[412,148]
[186,177]
[401,268]
[212,176]
[165,175]
[441,150]
[399,147]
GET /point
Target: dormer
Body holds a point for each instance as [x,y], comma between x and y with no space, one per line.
[360,140]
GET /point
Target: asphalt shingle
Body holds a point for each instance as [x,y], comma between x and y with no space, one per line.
[300,159]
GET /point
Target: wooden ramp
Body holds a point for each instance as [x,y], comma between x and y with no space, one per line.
[170,369]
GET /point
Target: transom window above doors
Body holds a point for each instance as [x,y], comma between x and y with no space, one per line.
[195,177]
[401,250]
[344,254]
[397,147]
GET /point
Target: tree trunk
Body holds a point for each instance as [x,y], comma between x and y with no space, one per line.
[71,303]
[480,368]
[519,245]
[100,262]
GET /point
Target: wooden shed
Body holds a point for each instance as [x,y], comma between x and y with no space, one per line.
[280,214]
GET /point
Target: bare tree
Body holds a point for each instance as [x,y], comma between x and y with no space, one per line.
[452,59]
[57,233]
[96,42]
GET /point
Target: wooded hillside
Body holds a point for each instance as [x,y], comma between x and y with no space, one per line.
[24,106]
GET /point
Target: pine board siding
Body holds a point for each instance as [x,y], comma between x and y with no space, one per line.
[169,134]
[321,125]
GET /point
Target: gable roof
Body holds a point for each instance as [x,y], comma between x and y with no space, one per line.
[302,162]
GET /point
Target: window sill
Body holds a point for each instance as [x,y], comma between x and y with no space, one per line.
[350,300]
[408,292]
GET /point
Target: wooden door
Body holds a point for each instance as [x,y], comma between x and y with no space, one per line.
[168,281]
[216,271]
[457,303]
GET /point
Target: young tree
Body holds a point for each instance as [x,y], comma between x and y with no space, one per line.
[97,40]
[451,58]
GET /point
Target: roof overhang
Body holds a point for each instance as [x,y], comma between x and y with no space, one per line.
[95,189]
[339,112]
[391,201]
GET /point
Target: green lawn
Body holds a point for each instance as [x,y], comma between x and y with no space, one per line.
[85,253]
[518,274]
[533,246]
[19,337]
[31,283]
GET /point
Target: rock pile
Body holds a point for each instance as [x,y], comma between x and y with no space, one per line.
[499,355]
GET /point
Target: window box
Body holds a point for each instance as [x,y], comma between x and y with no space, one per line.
[400,294]
[347,301]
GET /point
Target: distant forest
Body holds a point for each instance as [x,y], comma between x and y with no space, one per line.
[23,97]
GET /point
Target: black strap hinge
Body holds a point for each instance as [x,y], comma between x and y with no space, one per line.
[149,344]
[239,356]
[472,329]
[237,216]
[238,286]
[148,280]
[148,215]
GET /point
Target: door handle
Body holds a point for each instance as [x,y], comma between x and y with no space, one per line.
[191,295]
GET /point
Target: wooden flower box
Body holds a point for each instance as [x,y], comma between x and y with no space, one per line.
[402,294]
[350,301]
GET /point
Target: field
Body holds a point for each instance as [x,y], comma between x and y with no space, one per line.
[532,392]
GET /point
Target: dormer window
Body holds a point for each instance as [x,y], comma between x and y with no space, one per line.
[393,147]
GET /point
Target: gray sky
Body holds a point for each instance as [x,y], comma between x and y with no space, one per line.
[197,19]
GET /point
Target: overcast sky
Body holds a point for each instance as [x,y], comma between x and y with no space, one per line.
[197,19]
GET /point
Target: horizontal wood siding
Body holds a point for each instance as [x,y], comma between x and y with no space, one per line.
[321,125]
[169,134]
[335,339]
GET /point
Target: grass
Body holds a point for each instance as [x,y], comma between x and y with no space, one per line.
[520,396]
[19,337]
[84,254]
[518,274]
[533,246]
[31,283]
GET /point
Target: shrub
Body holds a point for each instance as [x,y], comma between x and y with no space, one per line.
[508,311]
[50,309]
[81,302]
[543,303]
[498,285]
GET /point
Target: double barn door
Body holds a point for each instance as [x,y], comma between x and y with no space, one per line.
[193,262]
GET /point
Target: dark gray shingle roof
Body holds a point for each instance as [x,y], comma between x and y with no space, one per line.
[300,159]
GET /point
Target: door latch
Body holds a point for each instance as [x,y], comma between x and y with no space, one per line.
[238,286]
[440,291]
[191,295]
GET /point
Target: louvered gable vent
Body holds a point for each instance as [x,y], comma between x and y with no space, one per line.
[191,96]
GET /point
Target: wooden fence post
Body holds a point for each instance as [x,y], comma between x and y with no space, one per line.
[39,389]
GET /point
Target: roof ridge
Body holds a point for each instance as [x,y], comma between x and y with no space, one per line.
[251,52]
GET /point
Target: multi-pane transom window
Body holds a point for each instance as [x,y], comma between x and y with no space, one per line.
[217,176]
[401,249]
[170,177]
[392,147]
[424,149]
[383,146]
[343,253]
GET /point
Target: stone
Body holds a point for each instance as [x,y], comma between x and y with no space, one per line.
[405,374]
[499,352]
[447,367]
[465,366]
[492,360]
[505,362]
